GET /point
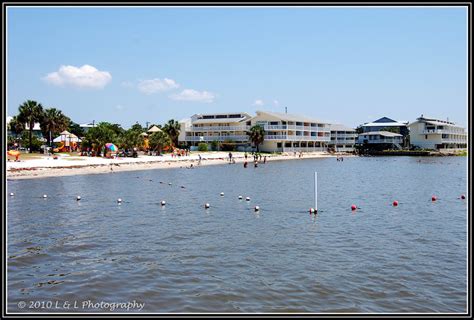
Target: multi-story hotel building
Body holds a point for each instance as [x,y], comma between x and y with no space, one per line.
[429,133]
[342,138]
[215,127]
[292,133]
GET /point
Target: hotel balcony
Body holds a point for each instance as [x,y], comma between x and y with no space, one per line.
[444,131]
[268,127]
[216,138]
[296,138]
[220,128]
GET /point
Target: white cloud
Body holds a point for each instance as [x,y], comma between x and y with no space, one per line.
[157,85]
[83,77]
[194,95]
[258,102]
[276,103]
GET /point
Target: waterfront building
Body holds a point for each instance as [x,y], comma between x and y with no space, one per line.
[387,124]
[86,126]
[380,140]
[436,134]
[221,127]
[343,138]
[35,132]
[292,133]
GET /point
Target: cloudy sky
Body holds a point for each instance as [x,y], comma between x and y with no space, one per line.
[346,65]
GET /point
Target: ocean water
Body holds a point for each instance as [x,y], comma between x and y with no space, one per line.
[182,258]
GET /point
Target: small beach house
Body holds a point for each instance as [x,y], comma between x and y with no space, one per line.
[343,138]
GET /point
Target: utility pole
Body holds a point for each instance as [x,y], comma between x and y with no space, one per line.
[286,110]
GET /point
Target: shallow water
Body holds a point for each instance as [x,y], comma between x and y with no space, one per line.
[183,258]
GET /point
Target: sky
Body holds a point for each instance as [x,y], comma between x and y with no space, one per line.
[348,65]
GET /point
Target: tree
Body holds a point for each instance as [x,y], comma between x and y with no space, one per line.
[159,140]
[101,134]
[172,128]
[75,129]
[53,122]
[257,135]
[131,138]
[30,112]
[359,129]
[16,126]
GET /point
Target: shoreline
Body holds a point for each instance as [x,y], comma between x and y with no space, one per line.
[46,167]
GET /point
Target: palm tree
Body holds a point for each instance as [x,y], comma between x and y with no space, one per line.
[53,122]
[172,128]
[257,135]
[158,140]
[30,112]
[16,126]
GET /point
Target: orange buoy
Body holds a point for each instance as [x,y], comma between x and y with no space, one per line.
[395,203]
[353,207]
[433,198]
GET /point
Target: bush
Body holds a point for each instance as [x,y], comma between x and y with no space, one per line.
[215,145]
[202,146]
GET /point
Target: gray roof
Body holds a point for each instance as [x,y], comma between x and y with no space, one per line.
[381,133]
[339,127]
[291,117]
[224,120]
[385,124]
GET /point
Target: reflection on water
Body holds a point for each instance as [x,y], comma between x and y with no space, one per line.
[228,258]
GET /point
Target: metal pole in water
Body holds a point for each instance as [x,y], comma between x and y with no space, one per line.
[315,191]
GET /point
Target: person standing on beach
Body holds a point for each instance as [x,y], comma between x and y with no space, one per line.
[199,159]
[265,159]
[230,157]
[245,155]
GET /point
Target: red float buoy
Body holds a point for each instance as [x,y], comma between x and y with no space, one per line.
[353,207]
[463,196]
[433,198]
[395,203]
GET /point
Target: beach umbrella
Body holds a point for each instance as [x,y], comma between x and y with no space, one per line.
[111,146]
[154,129]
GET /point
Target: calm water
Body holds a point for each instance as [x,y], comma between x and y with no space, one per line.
[183,258]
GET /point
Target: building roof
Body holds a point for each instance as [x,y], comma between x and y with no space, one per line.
[223,120]
[290,117]
[339,127]
[381,133]
[198,118]
[436,122]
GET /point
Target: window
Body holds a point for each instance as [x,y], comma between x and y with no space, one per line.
[426,137]
[278,144]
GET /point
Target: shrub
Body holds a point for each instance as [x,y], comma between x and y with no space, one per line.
[202,146]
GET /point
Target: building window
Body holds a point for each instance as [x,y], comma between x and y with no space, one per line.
[278,144]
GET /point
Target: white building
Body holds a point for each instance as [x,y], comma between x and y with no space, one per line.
[219,127]
[380,140]
[342,138]
[430,133]
[289,133]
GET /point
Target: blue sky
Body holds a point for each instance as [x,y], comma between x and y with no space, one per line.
[345,65]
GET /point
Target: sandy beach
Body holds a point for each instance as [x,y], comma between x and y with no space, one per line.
[46,166]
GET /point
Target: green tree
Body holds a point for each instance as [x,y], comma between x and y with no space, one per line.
[16,126]
[257,135]
[30,112]
[131,138]
[53,122]
[159,140]
[75,129]
[172,128]
[101,134]
[214,145]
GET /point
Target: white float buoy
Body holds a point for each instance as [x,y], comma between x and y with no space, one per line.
[12,194]
[78,198]
[45,196]
[163,202]
[312,210]
[207,206]
[257,208]
[247,199]
[119,200]
[222,194]
[240,197]
[170,183]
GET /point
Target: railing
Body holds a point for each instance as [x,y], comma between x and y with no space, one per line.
[296,138]
[453,141]
[347,135]
[294,127]
[216,138]
[220,128]
[388,140]
[441,131]
[305,149]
